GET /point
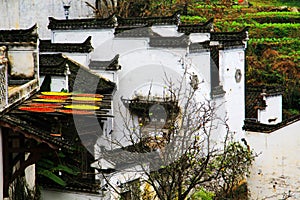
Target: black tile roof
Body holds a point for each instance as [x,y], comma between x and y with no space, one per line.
[19,36]
[135,31]
[33,130]
[199,47]
[196,28]
[169,42]
[106,65]
[86,81]
[86,23]
[52,64]
[85,47]
[110,22]
[129,156]
[253,126]
[230,36]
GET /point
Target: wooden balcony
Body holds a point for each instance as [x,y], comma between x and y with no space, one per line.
[12,93]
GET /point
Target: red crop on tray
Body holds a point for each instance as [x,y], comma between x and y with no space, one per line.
[37,109]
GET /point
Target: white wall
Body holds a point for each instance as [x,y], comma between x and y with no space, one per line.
[110,75]
[60,195]
[201,61]
[30,174]
[25,13]
[199,37]
[81,58]
[113,46]
[278,163]
[99,36]
[58,83]
[272,111]
[229,62]
[122,177]
[145,69]
[21,63]
[166,30]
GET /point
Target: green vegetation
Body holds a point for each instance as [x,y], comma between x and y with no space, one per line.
[202,194]
[49,169]
[295,3]
[273,53]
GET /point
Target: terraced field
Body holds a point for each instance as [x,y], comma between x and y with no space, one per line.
[273,54]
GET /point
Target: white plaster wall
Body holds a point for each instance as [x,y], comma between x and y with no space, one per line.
[201,61]
[99,36]
[124,176]
[83,59]
[1,166]
[110,75]
[22,63]
[58,83]
[166,30]
[30,174]
[229,62]
[60,195]
[278,163]
[219,131]
[25,13]
[272,111]
[114,46]
[199,37]
[145,69]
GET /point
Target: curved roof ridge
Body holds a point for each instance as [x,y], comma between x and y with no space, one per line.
[19,35]
[269,128]
[84,47]
[206,27]
[82,23]
[230,36]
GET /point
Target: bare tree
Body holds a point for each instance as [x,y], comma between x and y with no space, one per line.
[182,141]
[123,8]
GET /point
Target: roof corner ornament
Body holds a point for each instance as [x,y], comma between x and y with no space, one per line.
[177,17]
[66,5]
[3,58]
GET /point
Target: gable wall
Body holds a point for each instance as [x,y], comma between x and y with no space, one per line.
[278,162]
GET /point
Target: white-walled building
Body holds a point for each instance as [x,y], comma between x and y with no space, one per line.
[275,170]
[132,57]
[165,47]
[138,54]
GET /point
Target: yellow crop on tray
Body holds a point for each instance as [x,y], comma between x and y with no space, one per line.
[82,107]
[49,100]
[86,99]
